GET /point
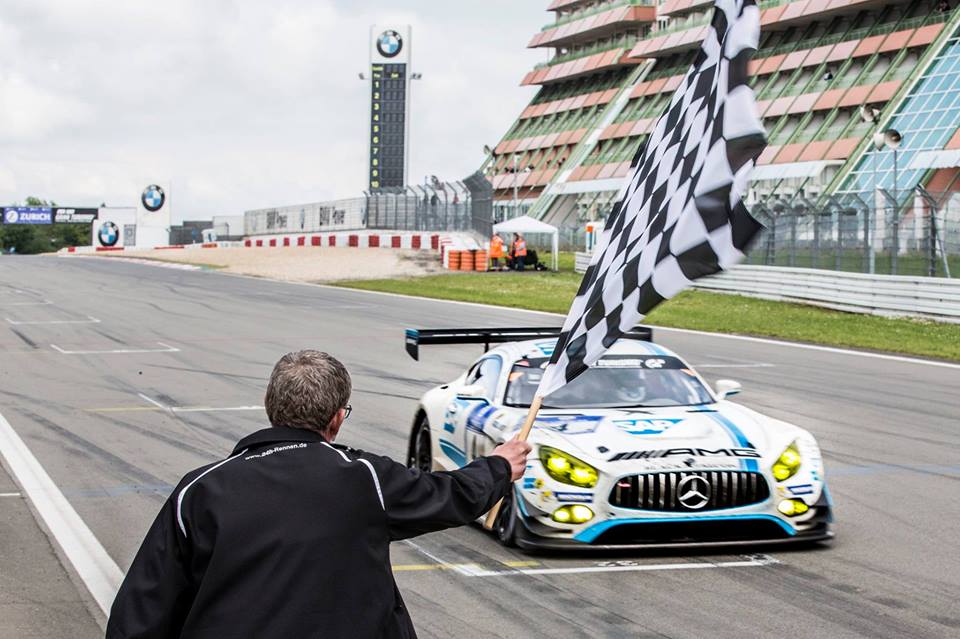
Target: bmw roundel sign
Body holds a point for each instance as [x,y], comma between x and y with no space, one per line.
[108,234]
[389,43]
[153,198]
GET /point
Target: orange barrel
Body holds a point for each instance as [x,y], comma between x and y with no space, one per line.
[480,261]
[466,260]
[453,260]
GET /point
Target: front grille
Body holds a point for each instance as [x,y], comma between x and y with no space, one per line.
[690,491]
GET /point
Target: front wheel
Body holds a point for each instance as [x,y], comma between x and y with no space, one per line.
[421,450]
[506,524]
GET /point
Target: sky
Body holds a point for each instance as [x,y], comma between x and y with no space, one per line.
[243,104]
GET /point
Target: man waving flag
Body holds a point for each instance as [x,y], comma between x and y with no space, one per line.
[680,214]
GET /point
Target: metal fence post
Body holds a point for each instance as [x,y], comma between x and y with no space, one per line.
[896,237]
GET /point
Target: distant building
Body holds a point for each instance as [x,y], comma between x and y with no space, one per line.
[615,64]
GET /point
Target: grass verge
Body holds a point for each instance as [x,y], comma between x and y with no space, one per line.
[699,310]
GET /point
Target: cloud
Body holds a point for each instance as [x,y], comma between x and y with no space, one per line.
[242,104]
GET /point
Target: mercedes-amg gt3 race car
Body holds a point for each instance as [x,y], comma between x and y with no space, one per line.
[638,451]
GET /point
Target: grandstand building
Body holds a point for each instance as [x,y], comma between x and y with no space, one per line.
[615,63]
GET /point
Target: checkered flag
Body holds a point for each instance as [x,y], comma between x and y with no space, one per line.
[680,214]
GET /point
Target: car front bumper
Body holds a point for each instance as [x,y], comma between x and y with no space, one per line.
[707,530]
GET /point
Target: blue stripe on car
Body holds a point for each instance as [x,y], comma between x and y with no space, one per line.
[738,437]
[588,535]
[455,454]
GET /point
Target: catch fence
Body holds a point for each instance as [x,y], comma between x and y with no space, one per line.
[916,233]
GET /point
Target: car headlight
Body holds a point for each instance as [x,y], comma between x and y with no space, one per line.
[788,463]
[567,468]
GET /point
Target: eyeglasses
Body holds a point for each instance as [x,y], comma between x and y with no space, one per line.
[347,410]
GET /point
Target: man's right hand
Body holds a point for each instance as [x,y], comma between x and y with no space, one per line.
[515,452]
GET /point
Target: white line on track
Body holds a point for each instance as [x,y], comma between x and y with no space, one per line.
[10,495]
[463,569]
[212,409]
[43,303]
[734,365]
[574,570]
[166,348]
[195,409]
[96,569]
[90,320]
[150,400]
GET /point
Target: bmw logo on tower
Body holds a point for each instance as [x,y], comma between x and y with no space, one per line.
[108,234]
[389,43]
[153,198]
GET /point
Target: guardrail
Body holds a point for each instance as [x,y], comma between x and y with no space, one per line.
[935,298]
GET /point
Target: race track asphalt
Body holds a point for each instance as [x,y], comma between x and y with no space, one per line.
[115,430]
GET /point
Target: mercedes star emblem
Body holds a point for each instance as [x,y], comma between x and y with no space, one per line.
[694,492]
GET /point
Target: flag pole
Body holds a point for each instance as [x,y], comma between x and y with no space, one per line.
[522,436]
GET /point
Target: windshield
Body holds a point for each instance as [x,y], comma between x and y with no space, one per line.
[616,381]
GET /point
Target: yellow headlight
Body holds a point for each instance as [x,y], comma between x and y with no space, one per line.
[788,463]
[575,514]
[567,468]
[792,507]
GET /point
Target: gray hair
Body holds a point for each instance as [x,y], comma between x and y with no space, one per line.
[306,390]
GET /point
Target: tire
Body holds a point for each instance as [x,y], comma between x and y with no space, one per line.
[505,527]
[421,446]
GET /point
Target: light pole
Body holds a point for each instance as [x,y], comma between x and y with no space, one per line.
[892,139]
[870,114]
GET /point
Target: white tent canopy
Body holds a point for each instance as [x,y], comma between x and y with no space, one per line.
[526,225]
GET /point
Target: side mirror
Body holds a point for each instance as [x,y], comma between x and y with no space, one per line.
[727,388]
[472,391]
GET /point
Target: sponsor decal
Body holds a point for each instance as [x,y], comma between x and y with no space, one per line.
[27,215]
[74,216]
[801,489]
[575,497]
[646,426]
[654,363]
[570,424]
[547,348]
[749,453]
[479,415]
[277,449]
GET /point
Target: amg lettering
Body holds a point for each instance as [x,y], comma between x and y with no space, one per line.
[688,452]
[706,452]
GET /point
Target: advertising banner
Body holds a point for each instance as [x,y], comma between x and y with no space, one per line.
[74,216]
[27,215]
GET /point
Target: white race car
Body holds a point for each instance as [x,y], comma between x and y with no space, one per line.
[638,451]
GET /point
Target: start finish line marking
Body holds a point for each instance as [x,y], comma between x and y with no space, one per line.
[627,566]
[165,348]
[524,568]
[90,320]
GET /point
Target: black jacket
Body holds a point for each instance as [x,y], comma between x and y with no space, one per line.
[289,537]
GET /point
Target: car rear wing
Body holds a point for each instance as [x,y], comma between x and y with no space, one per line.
[486,336]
